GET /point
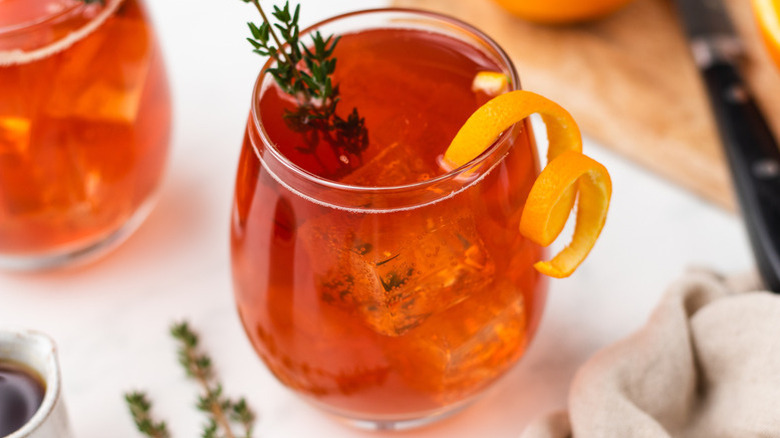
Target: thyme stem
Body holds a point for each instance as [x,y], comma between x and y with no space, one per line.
[223,412]
[279,44]
[201,376]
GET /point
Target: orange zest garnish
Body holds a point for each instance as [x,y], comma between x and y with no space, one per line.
[767,14]
[567,174]
[500,113]
[491,83]
[544,214]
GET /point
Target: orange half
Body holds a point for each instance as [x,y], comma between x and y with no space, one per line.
[561,11]
[767,14]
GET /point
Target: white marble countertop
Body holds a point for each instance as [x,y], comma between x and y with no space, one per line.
[110,319]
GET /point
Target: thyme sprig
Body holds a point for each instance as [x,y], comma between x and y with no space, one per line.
[140,409]
[221,411]
[223,414]
[313,87]
[305,72]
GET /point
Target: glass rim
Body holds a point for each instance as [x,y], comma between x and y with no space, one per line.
[32,24]
[503,59]
[89,24]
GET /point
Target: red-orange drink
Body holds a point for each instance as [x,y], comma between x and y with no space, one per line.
[84,126]
[378,285]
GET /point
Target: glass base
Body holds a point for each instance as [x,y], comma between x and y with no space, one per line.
[396,423]
[81,254]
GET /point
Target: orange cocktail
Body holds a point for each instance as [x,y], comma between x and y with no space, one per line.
[369,279]
[84,127]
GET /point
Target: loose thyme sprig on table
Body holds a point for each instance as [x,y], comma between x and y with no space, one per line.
[140,409]
[223,413]
[305,73]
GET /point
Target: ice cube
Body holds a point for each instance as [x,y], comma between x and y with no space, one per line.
[394,272]
[14,135]
[455,353]
[17,183]
[66,170]
[394,164]
[343,276]
[102,77]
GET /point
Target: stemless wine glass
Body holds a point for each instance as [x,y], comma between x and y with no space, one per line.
[381,293]
[84,127]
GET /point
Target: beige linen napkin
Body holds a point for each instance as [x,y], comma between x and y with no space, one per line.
[706,364]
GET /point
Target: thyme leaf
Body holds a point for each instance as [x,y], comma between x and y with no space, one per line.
[140,409]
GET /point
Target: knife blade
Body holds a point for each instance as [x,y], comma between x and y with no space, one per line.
[751,150]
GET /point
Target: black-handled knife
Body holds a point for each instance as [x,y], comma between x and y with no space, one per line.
[752,151]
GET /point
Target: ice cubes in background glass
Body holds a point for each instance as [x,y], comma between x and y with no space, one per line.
[14,135]
[102,77]
[16,180]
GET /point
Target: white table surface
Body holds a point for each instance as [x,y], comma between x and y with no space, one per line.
[110,319]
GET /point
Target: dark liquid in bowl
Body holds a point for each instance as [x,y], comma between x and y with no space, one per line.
[21,394]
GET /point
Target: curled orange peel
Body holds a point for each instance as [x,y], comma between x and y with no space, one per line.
[500,113]
[568,174]
[544,214]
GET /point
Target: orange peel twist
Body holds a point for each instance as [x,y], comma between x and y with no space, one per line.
[568,175]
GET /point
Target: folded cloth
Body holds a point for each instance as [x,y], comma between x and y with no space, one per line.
[706,364]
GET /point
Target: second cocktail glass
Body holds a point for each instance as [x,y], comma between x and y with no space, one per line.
[84,127]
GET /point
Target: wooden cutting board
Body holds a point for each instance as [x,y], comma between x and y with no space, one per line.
[629,81]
